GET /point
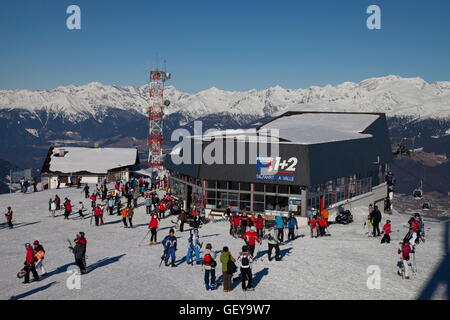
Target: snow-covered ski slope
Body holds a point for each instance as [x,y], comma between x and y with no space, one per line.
[333,267]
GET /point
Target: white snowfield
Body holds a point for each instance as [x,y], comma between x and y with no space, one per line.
[393,95]
[332,267]
[95,160]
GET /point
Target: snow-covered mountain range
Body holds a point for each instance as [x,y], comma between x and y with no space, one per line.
[393,95]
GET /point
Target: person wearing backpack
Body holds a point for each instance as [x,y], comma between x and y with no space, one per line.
[245,258]
[209,264]
[228,268]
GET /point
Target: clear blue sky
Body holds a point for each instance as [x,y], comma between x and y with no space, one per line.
[229,44]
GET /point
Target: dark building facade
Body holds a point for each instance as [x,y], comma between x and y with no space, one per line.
[295,161]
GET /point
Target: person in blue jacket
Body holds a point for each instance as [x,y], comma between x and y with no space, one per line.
[170,246]
[194,246]
[280,226]
[292,223]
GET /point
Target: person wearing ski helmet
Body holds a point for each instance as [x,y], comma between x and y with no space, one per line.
[29,264]
[405,251]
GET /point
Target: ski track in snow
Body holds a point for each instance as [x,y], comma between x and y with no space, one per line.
[332,267]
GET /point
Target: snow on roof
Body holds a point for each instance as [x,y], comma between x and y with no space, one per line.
[94,160]
[312,128]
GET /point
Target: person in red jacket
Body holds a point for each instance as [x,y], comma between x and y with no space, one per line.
[153,226]
[260,225]
[93,199]
[162,209]
[323,225]
[67,208]
[29,264]
[404,251]
[250,238]
[387,231]
[98,215]
[237,222]
[313,223]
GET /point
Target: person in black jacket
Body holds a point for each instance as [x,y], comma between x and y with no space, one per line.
[79,252]
[39,257]
[375,217]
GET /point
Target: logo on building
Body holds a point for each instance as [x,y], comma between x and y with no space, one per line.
[276,168]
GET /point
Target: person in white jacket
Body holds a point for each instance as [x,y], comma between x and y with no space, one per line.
[273,243]
[53,208]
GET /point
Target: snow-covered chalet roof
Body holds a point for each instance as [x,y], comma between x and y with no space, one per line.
[91,160]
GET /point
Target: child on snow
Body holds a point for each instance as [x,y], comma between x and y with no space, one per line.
[368,224]
[313,225]
[194,246]
[387,231]
[405,251]
[170,246]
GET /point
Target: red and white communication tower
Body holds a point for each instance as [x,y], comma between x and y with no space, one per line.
[156,117]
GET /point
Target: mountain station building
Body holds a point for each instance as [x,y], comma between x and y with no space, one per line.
[89,165]
[295,161]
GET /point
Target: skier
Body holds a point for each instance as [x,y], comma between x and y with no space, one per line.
[67,208]
[130,214]
[209,264]
[93,198]
[292,223]
[58,202]
[250,238]
[53,208]
[245,258]
[244,224]
[153,226]
[194,246]
[368,223]
[260,226]
[98,215]
[227,261]
[170,246]
[9,217]
[404,251]
[273,243]
[148,205]
[280,226]
[162,209]
[376,219]
[421,230]
[80,209]
[124,216]
[39,253]
[110,205]
[387,231]
[29,264]
[79,252]
[414,227]
[237,222]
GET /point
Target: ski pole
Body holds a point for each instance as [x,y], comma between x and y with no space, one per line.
[144,238]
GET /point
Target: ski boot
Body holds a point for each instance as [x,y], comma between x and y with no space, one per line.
[207,287]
